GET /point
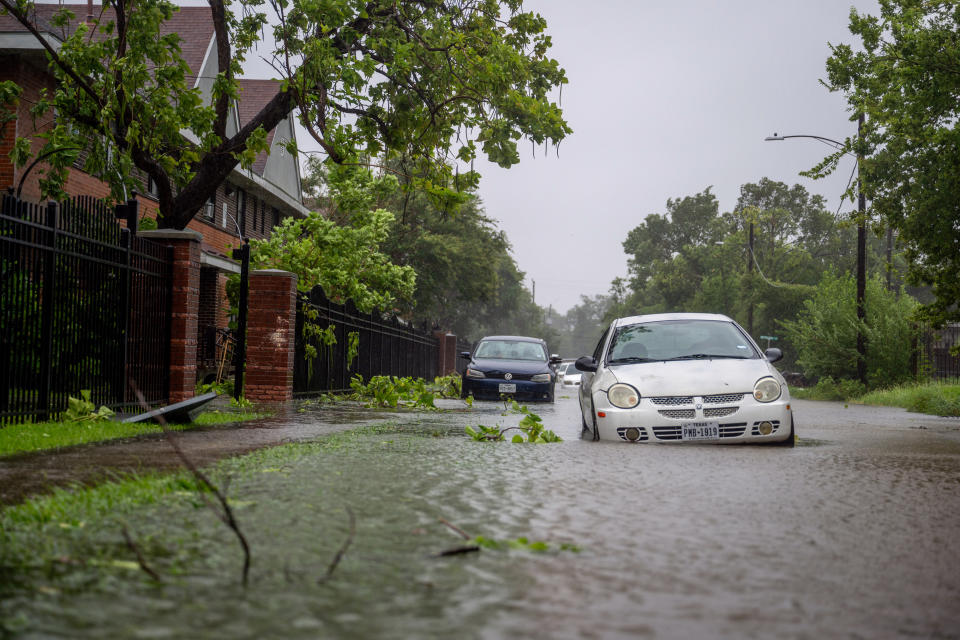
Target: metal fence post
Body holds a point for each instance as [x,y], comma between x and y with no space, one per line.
[47,302]
[240,355]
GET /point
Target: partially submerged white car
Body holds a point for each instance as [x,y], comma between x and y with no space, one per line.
[683,377]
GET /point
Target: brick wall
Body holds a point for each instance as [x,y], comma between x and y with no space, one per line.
[31,79]
[185,305]
[271,328]
[446,352]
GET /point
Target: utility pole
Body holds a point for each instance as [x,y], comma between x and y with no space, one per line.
[750,259]
[861,262]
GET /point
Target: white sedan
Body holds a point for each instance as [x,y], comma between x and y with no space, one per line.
[683,377]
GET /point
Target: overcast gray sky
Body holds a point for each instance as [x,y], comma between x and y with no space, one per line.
[665,99]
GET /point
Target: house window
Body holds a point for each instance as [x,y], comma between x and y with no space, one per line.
[242,210]
[223,220]
[152,189]
[210,208]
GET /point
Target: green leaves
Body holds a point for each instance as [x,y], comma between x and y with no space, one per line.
[531,428]
[394,392]
[82,409]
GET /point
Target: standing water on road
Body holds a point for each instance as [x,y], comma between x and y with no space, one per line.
[850,535]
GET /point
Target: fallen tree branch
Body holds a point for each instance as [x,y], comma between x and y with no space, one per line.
[226,515]
[343,548]
[456,551]
[455,528]
[140,559]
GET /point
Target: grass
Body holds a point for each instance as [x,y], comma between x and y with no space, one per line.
[939,398]
[44,436]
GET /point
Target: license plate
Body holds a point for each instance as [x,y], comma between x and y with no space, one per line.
[508,388]
[700,431]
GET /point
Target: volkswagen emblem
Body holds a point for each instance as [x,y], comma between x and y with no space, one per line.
[699,406]
[508,376]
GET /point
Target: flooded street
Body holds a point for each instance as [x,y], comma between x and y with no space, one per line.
[850,534]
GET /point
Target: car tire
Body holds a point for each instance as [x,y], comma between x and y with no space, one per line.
[791,440]
[596,430]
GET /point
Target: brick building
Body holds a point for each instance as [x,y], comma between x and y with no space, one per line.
[247,205]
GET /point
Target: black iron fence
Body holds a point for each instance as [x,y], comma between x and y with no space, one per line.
[933,359]
[85,305]
[350,342]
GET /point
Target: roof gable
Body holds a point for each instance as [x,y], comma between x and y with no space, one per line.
[193,24]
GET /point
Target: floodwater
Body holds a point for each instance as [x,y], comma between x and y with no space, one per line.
[852,534]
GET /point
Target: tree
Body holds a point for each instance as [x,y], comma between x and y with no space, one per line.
[466,281]
[906,80]
[825,332]
[428,80]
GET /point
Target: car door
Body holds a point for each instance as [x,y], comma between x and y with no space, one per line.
[586,382]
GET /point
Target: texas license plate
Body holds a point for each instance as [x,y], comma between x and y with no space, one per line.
[508,388]
[700,431]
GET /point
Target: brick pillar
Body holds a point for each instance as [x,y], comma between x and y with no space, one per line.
[185,308]
[271,329]
[446,352]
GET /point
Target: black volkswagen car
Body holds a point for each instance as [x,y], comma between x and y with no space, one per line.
[513,366]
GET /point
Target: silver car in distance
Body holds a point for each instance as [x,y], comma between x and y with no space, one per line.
[683,377]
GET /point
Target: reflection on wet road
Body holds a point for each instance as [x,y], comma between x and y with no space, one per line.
[850,534]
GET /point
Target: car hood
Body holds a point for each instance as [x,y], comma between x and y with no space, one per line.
[694,377]
[513,366]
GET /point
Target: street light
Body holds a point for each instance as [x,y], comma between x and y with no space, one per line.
[861,247]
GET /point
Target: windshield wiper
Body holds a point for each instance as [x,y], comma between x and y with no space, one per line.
[630,359]
[705,356]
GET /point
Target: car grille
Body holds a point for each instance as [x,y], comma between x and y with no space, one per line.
[672,400]
[718,412]
[723,398]
[678,414]
[756,431]
[732,430]
[622,431]
[667,433]
[515,376]
[672,432]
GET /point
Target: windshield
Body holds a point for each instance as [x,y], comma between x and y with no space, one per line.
[679,340]
[511,350]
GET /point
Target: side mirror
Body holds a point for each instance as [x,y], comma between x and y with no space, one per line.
[465,354]
[585,363]
[773,354]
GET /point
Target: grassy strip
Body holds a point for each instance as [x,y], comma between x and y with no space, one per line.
[939,398]
[43,436]
[72,508]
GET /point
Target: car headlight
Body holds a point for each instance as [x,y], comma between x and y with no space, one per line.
[623,396]
[766,390]
[473,373]
[541,377]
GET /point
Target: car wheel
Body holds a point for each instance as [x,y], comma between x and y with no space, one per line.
[596,430]
[791,441]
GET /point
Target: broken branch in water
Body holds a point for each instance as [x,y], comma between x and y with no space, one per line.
[343,548]
[226,515]
[140,559]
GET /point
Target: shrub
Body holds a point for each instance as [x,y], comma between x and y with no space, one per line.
[825,332]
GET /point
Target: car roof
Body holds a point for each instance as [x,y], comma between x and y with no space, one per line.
[661,317]
[518,338]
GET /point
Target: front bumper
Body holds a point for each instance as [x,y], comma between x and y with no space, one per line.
[740,419]
[489,389]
